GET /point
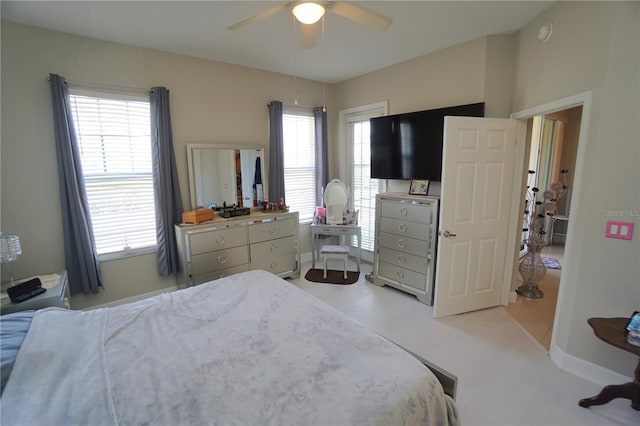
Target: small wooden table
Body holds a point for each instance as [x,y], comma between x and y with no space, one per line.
[612,331]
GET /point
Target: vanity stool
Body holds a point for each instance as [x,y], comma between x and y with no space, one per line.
[335,252]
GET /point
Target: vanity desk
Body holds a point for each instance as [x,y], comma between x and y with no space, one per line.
[336,198]
[223,247]
[340,230]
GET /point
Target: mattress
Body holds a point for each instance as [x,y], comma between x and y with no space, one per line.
[247,349]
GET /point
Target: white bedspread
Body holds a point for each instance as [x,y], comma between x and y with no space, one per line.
[250,349]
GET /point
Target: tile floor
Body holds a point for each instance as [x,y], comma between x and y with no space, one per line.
[537,315]
[505,377]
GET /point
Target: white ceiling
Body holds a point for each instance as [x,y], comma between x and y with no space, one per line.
[198,28]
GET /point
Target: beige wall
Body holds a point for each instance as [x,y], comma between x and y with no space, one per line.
[451,76]
[210,102]
[594,47]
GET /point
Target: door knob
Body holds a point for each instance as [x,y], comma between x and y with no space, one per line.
[446,234]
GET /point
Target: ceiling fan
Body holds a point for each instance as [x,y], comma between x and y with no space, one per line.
[317,9]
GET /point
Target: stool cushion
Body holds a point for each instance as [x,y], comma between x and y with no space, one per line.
[329,249]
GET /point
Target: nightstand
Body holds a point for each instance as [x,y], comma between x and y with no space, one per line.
[57,295]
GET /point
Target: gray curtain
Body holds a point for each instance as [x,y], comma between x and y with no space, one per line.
[322,162]
[81,259]
[166,187]
[276,153]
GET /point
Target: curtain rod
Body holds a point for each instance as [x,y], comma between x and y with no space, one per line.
[104,86]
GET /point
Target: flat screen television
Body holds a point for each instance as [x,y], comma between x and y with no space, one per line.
[409,146]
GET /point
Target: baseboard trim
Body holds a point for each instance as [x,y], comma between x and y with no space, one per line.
[133,298]
[585,369]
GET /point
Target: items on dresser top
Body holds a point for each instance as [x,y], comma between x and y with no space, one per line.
[196,216]
[406,243]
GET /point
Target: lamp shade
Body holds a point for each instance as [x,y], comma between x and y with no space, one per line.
[9,247]
[308,12]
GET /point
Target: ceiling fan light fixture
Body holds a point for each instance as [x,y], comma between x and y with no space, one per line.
[308,12]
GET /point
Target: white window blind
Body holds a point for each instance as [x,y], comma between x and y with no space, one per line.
[363,188]
[114,137]
[299,163]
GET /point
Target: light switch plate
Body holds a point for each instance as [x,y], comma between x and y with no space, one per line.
[621,230]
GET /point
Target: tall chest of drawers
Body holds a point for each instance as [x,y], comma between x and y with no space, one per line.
[228,246]
[405,243]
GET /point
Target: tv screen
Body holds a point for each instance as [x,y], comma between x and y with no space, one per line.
[409,146]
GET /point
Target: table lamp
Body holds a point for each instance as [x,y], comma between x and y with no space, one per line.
[9,251]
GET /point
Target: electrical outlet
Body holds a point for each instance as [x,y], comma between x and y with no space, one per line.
[621,230]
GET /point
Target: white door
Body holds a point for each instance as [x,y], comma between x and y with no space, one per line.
[476,191]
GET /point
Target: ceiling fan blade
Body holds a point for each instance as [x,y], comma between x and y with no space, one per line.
[359,14]
[308,34]
[261,15]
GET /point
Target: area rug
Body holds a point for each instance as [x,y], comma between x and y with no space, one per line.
[333,277]
[550,262]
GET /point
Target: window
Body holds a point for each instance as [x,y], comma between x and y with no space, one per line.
[355,166]
[363,188]
[114,138]
[298,130]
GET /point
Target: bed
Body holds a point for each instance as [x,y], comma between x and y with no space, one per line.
[246,349]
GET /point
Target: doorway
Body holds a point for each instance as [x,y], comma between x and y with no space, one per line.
[552,146]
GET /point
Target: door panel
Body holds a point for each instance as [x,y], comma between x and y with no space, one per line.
[477,181]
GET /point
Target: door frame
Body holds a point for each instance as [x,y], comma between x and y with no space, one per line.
[582,99]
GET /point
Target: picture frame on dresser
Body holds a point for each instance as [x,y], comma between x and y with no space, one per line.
[419,187]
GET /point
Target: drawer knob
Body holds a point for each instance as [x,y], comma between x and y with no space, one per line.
[273,247]
[404,211]
[274,265]
[272,230]
[222,259]
[401,274]
[401,258]
[402,227]
[402,243]
[220,239]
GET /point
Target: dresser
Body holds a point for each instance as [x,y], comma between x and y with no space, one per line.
[405,243]
[225,247]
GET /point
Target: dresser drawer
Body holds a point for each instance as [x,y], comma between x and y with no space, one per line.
[268,250]
[405,228]
[259,232]
[202,242]
[404,244]
[404,260]
[217,260]
[406,211]
[277,265]
[403,276]
[210,276]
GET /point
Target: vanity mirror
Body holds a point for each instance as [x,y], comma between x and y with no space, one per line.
[230,174]
[336,198]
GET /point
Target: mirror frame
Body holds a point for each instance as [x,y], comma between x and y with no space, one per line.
[190,168]
[332,189]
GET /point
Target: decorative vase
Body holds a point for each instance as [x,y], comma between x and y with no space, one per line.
[532,269]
